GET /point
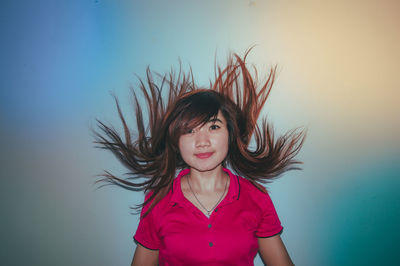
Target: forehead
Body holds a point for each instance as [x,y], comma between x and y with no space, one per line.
[218,118]
[197,109]
[202,120]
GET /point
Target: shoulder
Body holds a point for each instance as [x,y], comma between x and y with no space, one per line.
[249,192]
[247,187]
[161,205]
[173,195]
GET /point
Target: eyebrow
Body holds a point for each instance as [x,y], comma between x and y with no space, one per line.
[215,120]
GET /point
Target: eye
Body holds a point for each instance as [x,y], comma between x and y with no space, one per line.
[188,131]
[214,127]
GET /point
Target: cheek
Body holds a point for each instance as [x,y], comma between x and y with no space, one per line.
[226,146]
[223,142]
[184,147]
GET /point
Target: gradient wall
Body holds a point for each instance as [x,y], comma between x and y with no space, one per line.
[338,67]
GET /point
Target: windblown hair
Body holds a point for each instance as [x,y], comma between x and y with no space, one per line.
[153,156]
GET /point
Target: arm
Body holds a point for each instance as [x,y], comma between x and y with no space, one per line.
[144,256]
[273,251]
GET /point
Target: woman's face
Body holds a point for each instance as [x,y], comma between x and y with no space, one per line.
[205,147]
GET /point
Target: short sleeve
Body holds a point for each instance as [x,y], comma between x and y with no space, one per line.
[270,224]
[146,233]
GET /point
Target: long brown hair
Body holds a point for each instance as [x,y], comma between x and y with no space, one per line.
[152,157]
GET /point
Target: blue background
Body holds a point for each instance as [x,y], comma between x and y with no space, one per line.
[338,65]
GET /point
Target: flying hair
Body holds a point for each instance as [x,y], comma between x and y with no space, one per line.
[152,155]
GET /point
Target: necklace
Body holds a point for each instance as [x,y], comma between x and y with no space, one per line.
[208,211]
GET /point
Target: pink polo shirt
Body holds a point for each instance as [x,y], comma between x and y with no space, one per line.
[185,236]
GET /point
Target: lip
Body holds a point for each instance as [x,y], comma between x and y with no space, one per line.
[204,155]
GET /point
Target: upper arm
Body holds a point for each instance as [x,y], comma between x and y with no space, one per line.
[273,251]
[144,256]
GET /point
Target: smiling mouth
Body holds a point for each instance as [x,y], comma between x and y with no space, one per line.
[204,155]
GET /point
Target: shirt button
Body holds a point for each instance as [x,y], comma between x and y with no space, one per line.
[209,225]
[210,244]
[216,210]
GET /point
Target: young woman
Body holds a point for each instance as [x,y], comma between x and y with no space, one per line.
[207,215]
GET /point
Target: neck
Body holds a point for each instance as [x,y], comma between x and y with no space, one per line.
[208,181]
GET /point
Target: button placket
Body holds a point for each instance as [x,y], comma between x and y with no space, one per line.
[211,237]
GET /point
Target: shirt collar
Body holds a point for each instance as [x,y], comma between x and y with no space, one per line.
[233,192]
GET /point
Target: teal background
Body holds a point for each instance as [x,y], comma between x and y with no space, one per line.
[338,65]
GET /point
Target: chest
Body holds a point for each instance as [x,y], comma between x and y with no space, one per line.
[226,238]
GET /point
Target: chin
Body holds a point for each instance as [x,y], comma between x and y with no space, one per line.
[205,168]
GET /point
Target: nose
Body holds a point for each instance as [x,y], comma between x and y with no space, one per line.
[202,138]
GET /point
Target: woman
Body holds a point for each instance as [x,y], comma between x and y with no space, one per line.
[206,215]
